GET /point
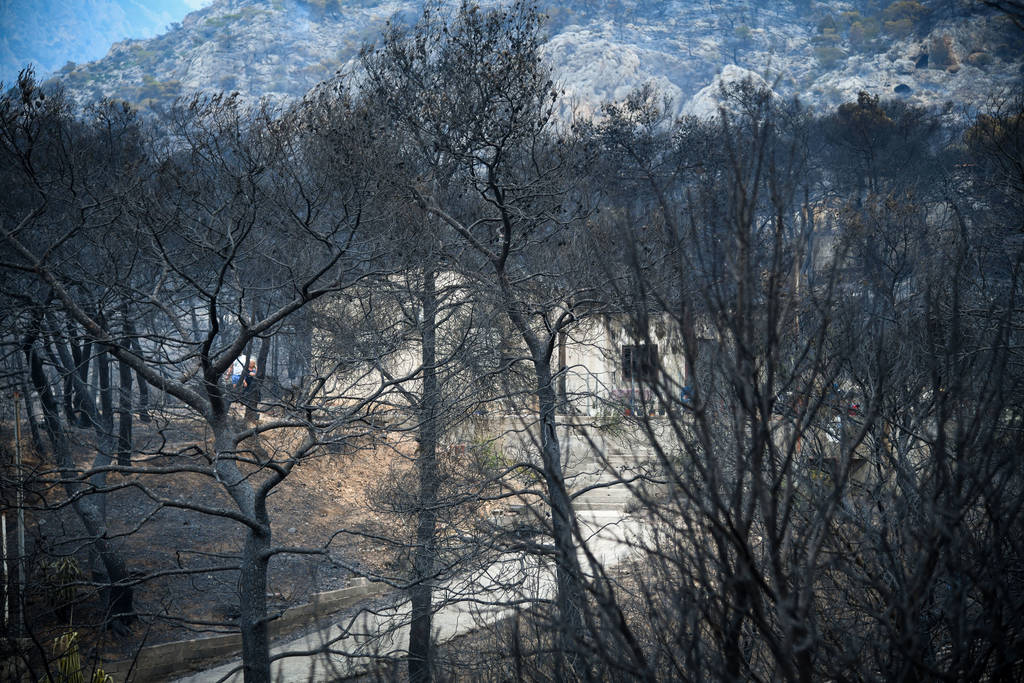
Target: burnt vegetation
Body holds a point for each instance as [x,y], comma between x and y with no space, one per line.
[821,326]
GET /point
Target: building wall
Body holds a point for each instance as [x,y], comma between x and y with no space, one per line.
[595,377]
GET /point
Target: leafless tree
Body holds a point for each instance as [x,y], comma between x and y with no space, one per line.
[225,237]
[837,466]
[469,91]
[423,331]
[54,204]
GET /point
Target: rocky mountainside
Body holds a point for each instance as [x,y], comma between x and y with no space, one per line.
[50,33]
[926,52]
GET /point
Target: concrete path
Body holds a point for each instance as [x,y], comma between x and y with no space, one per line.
[349,649]
[472,600]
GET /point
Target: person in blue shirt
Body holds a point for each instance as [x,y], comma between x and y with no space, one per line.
[247,379]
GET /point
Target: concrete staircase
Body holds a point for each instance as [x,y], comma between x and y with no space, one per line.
[606,472]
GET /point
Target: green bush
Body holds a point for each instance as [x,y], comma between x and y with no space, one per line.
[905,9]
[221,21]
[143,55]
[611,420]
[863,33]
[828,37]
[901,17]
[900,28]
[980,59]
[158,90]
[828,57]
[848,19]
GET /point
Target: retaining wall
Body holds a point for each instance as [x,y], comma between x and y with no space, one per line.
[167,660]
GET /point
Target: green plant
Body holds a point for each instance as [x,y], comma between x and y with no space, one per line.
[221,21]
[486,454]
[69,661]
[827,38]
[848,19]
[62,576]
[491,460]
[900,18]
[905,9]
[863,33]
[828,57]
[611,420]
[144,56]
[827,23]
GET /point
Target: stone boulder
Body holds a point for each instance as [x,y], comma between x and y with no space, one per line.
[729,91]
[941,52]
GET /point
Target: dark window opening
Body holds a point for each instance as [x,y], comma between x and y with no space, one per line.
[640,362]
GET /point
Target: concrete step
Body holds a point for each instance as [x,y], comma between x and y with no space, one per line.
[609,502]
[620,496]
[602,504]
[578,485]
[578,477]
[622,457]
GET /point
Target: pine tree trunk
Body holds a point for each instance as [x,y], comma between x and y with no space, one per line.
[252,577]
[252,593]
[421,646]
[124,423]
[133,344]
[90,510]
[568,576]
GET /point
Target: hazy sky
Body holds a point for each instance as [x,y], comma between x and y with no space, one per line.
[49,33]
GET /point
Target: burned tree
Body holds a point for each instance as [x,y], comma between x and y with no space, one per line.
[477,105]
[222,201]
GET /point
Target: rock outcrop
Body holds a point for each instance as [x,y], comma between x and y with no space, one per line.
[727,93]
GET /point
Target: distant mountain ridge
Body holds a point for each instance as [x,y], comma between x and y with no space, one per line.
[50,33]
[825,54]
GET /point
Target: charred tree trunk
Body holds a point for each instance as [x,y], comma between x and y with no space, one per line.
[68,390]
[421,646]
[255,389]
[30,411]
[255,558]
[81,357]
[106,417]
[59,356]
[89,509]
[124,419]
[568,576]
[252,591]
[563,395]
[300,345]
[133,344]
